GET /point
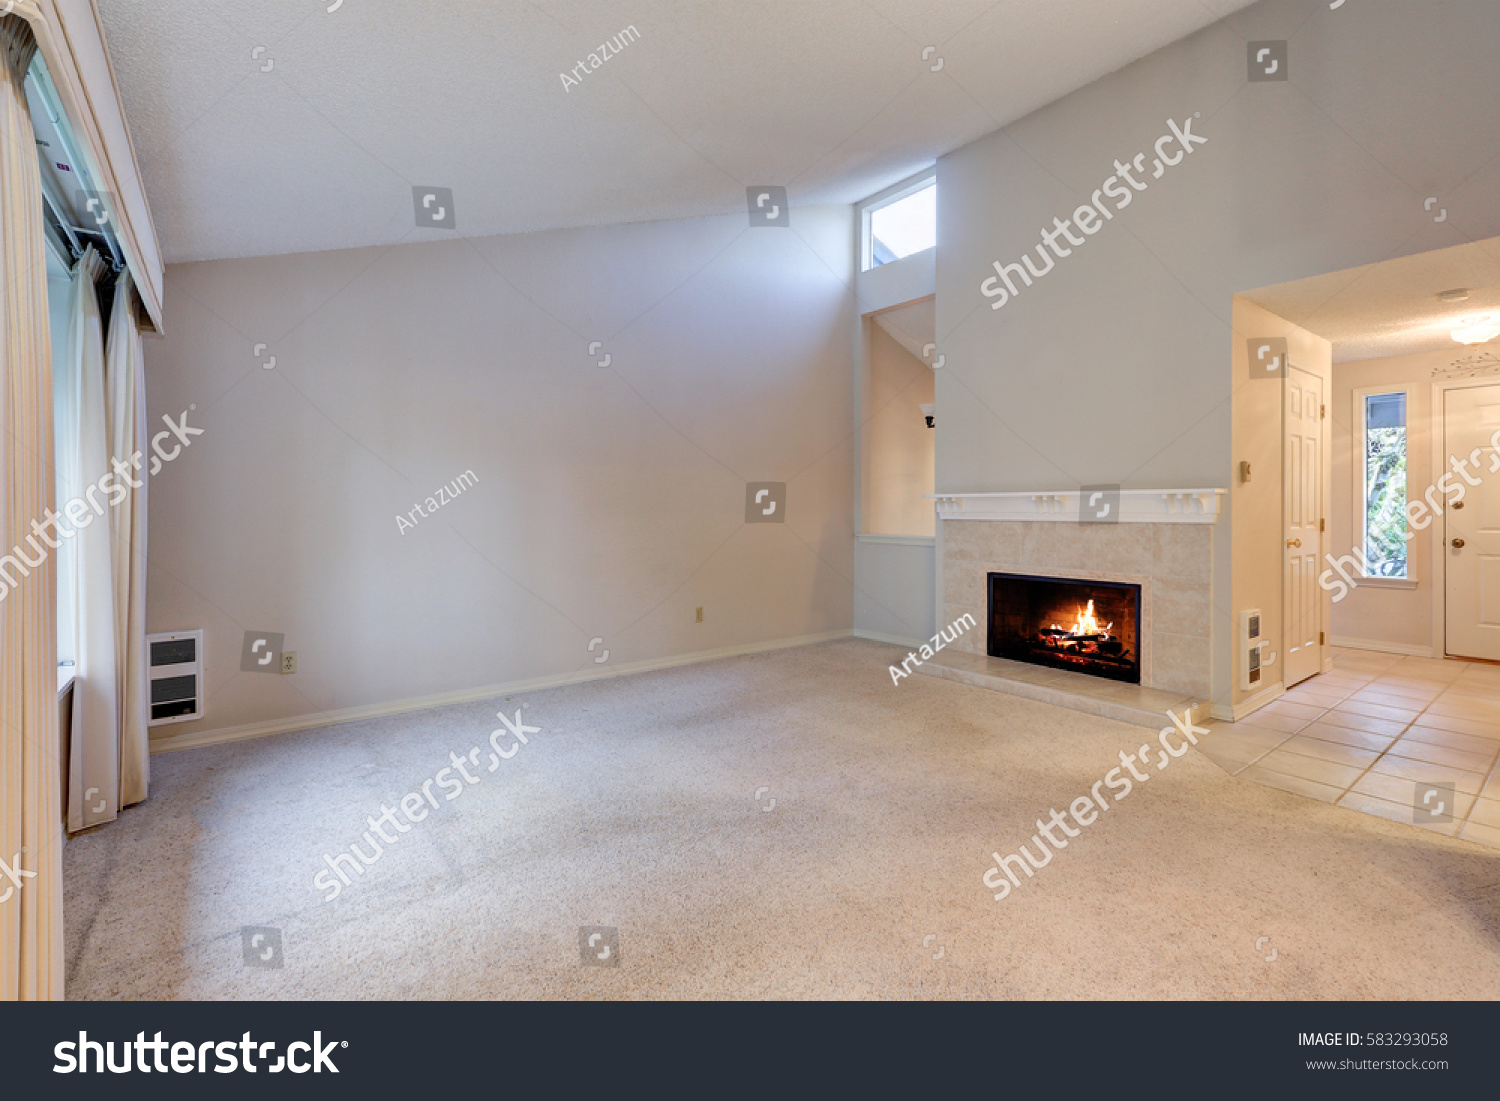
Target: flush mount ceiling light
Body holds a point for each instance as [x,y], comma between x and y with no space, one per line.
[1458,294]
[1477,330]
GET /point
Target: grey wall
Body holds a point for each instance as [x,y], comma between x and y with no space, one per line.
[894,595]
[610,502]
[1115,366]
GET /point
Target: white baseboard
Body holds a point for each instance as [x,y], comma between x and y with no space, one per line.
[1409,649]
[894,640]
[198,738]
[1247,706]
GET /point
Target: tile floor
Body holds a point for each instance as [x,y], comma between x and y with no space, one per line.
[1372,732]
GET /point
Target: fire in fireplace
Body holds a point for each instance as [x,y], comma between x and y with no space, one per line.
[1085,626]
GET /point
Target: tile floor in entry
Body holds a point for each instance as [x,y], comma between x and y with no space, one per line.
[1367,734]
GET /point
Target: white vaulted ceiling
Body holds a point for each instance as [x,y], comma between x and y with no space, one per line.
[274,126]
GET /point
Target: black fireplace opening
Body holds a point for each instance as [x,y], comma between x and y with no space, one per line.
[1084,626]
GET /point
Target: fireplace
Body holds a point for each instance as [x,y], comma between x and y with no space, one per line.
[1083,626]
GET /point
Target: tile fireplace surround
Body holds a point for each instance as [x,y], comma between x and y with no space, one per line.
[1163,543]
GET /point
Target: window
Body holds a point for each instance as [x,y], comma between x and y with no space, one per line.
[1381,468]
[901,222]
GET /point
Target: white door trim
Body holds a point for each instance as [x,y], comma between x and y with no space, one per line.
[1438,431]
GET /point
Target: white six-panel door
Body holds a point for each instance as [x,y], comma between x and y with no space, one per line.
[1302,473]
[1469,532]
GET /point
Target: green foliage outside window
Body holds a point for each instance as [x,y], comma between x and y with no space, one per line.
[1385,485]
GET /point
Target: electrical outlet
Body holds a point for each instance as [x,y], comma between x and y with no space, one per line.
[289,661]
[700,616]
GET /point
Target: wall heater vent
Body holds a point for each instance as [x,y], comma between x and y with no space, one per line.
[175,659]
[1254,658]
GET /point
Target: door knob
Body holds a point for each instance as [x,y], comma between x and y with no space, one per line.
[1458,544]
[1294,542]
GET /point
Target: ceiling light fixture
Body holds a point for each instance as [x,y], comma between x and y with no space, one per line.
[1477,330]
[1458,294]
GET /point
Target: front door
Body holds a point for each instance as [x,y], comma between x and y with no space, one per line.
[1471,527]
[1302,497]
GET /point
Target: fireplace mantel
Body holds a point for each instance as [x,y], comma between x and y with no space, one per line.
[1137,506]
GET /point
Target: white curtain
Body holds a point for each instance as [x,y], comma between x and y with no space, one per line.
[31,935]
[82,467]
[125,383]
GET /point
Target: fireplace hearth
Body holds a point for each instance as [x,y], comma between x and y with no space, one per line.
[1088,627]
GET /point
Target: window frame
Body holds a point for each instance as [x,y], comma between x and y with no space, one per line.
[882,199]
[1360,505]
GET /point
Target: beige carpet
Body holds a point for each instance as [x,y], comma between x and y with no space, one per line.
[635,807]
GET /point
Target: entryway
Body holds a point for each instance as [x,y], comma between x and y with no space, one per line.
[1378,397]
[1413,740]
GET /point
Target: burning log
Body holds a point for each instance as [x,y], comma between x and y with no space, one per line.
[1053,622]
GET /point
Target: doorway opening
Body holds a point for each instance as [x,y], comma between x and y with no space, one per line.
[1395,487]
[899,449]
